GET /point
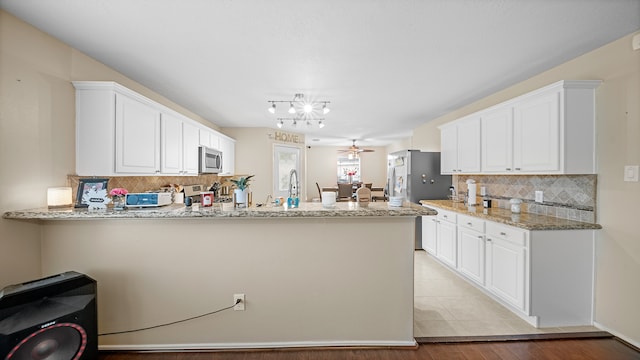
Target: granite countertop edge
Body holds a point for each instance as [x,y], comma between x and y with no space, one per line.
[523,220]
[224,211]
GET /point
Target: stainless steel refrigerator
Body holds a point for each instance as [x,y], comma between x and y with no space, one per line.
[415,175]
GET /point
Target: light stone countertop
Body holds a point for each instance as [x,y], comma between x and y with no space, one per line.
[226,210]
[523,220]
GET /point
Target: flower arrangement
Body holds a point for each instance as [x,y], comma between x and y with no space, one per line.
[118,197]
[242,183]
[118,192]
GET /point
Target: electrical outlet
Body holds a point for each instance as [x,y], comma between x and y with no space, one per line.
[631,172]
[240,306]
[483,190]
[539,196]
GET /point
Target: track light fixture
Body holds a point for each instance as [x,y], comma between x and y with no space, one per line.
[302,107]
[294,122]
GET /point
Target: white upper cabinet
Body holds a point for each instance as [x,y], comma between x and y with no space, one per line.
[497,140]
[228,148]
[536,133]
[547,131]
[179,146]
[460,142]
[120,132]
[190,143]
[171,157]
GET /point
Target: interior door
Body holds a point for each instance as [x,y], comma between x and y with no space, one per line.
[285,159]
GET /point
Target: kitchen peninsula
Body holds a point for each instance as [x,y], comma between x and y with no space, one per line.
[311,276]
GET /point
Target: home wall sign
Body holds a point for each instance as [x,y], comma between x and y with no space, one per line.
[287,137]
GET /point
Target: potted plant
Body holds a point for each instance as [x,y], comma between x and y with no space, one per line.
[241,189]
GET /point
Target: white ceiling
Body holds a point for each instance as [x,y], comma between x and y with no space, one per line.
[387,66]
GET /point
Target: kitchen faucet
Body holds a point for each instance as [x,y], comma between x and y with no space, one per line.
[293,188]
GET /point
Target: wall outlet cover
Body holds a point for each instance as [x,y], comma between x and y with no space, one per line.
[539,196]
[631,172]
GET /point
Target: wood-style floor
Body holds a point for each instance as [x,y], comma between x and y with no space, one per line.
[587,349]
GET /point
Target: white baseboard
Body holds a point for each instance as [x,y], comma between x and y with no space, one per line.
[617,334]
[266,345]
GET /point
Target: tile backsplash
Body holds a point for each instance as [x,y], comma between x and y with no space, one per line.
[145,183]
[565,196]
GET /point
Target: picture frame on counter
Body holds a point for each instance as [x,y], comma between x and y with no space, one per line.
[86,185]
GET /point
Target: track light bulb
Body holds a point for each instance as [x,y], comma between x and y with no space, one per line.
[320,124]
[292,110]
[325,109]
[272,108]
[280,123]
[295,123]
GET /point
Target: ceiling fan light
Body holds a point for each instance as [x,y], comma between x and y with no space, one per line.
[272,108]
[292,110]
[308,108]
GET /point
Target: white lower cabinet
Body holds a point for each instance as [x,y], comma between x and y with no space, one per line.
[507,264]
[446,240]
[429,234]
[471,248]
[545,277]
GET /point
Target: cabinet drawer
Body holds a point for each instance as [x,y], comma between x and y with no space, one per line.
[508,233]
[445,215]
[471,222]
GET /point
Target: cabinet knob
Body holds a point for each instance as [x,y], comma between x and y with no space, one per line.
[508,169]
[517,168]
[479,236]
[488,239]
[503,233]
[445,216]
[470,224]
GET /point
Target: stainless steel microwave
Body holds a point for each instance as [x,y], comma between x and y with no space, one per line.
[209,160]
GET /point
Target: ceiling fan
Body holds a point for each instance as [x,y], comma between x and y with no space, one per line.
[355,150]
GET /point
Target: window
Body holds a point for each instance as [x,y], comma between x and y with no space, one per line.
[348,170]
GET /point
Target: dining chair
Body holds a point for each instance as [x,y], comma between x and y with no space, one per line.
[368,185]
[345,192]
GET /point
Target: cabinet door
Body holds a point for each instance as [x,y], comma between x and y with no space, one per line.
[190,143]
[497,141]
[449,150]
[506,271]
[469,146]
[228,148]
[446,243]
[536,129]
[429,234]
[471,254]
[171,145]
[137,137]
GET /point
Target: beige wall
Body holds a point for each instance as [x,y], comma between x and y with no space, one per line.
[37,131]
[617,292]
